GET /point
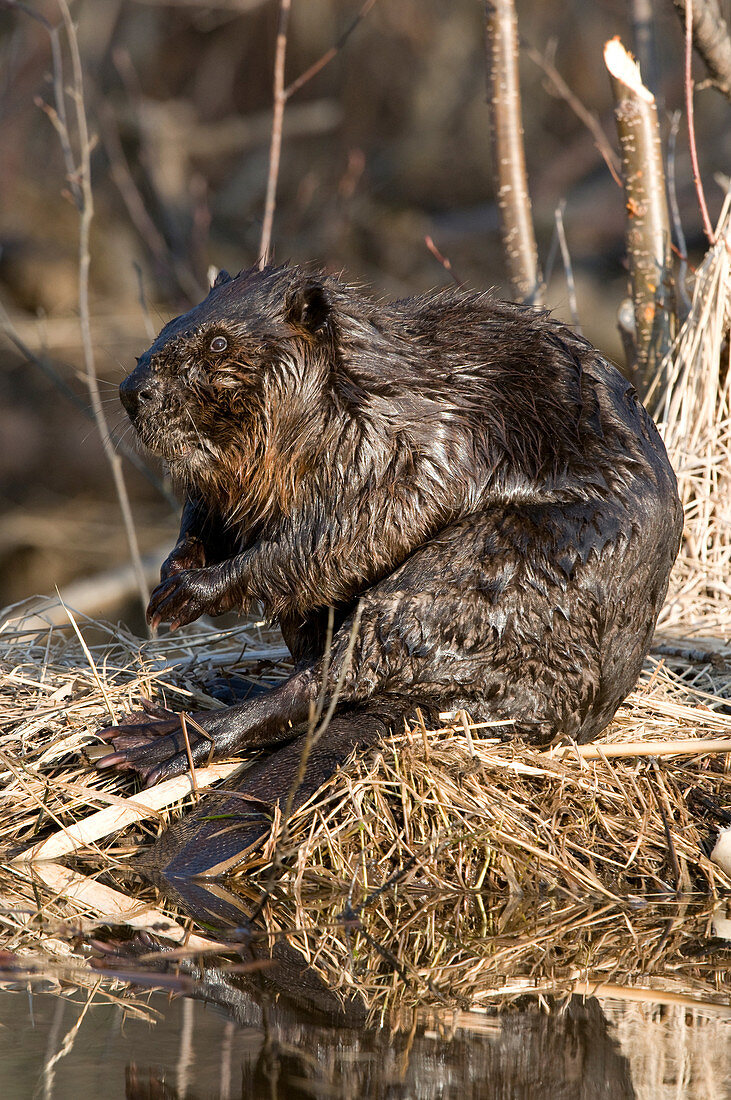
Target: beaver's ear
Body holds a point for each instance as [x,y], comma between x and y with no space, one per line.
[309,307]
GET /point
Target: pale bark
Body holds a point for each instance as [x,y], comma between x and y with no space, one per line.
[503,98]
[648,224]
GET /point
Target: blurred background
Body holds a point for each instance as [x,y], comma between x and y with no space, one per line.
[386,146]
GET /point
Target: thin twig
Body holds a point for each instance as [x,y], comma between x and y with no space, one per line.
[589,119]
[101,684]
[82,174]
[683,304]
[707,227]
[551,255]
[132,198]
[446,264]
[327,57]
[57,116]
[275,147]
[122,176]
[281,95]
[189,754]
[567,266]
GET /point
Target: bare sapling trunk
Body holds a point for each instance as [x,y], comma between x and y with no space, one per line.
[506,125]
[275,148]
[282,94]
[648,223]
[85,202]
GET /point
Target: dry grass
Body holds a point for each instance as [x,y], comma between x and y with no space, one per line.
[695,421]
[450,956]
[450,808]
[447,871]
[463,810]
[57,689]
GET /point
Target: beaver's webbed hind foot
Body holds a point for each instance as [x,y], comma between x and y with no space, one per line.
[231,821]
[157,749]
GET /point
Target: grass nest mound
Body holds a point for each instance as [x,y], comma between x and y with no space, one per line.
[640,811]
[445,871]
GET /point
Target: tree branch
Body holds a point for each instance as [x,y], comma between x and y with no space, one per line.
[503,99]
[82,174]
[592,123]
[648,224]
[275,147]
[711,39]
[707,227]
[567,266]
[327,57]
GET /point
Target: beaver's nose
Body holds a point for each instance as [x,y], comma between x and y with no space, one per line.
[135,391]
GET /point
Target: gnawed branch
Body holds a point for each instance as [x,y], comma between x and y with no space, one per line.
[648,224]
[506,124]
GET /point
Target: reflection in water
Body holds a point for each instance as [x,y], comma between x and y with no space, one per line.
[194,1051]
[402,1001]
[413,995]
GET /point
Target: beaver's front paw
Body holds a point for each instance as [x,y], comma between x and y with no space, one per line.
[189,553]
[183,597]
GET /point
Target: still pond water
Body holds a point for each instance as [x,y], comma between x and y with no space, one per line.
[266,1024]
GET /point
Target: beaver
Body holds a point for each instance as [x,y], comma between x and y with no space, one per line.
[463,488]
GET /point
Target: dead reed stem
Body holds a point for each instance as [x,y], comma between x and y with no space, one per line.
[693,413]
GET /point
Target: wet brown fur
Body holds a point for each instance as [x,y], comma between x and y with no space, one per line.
[470,475]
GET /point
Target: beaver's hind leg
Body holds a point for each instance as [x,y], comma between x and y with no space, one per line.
[157,750]
[534,616]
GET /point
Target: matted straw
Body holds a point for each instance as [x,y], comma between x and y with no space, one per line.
[635,812]
[694,419]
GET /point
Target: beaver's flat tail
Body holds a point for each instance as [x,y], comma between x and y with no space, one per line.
[229,823]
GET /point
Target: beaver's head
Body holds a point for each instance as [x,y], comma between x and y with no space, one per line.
[218,380]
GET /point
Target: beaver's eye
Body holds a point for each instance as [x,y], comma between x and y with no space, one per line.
[219,343]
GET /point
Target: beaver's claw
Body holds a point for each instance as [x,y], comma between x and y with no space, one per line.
[189,553]
[182,597]
[157,750]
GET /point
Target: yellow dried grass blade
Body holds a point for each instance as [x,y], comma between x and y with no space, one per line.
[143,805]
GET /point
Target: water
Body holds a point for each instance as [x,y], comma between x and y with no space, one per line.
[477,1004]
